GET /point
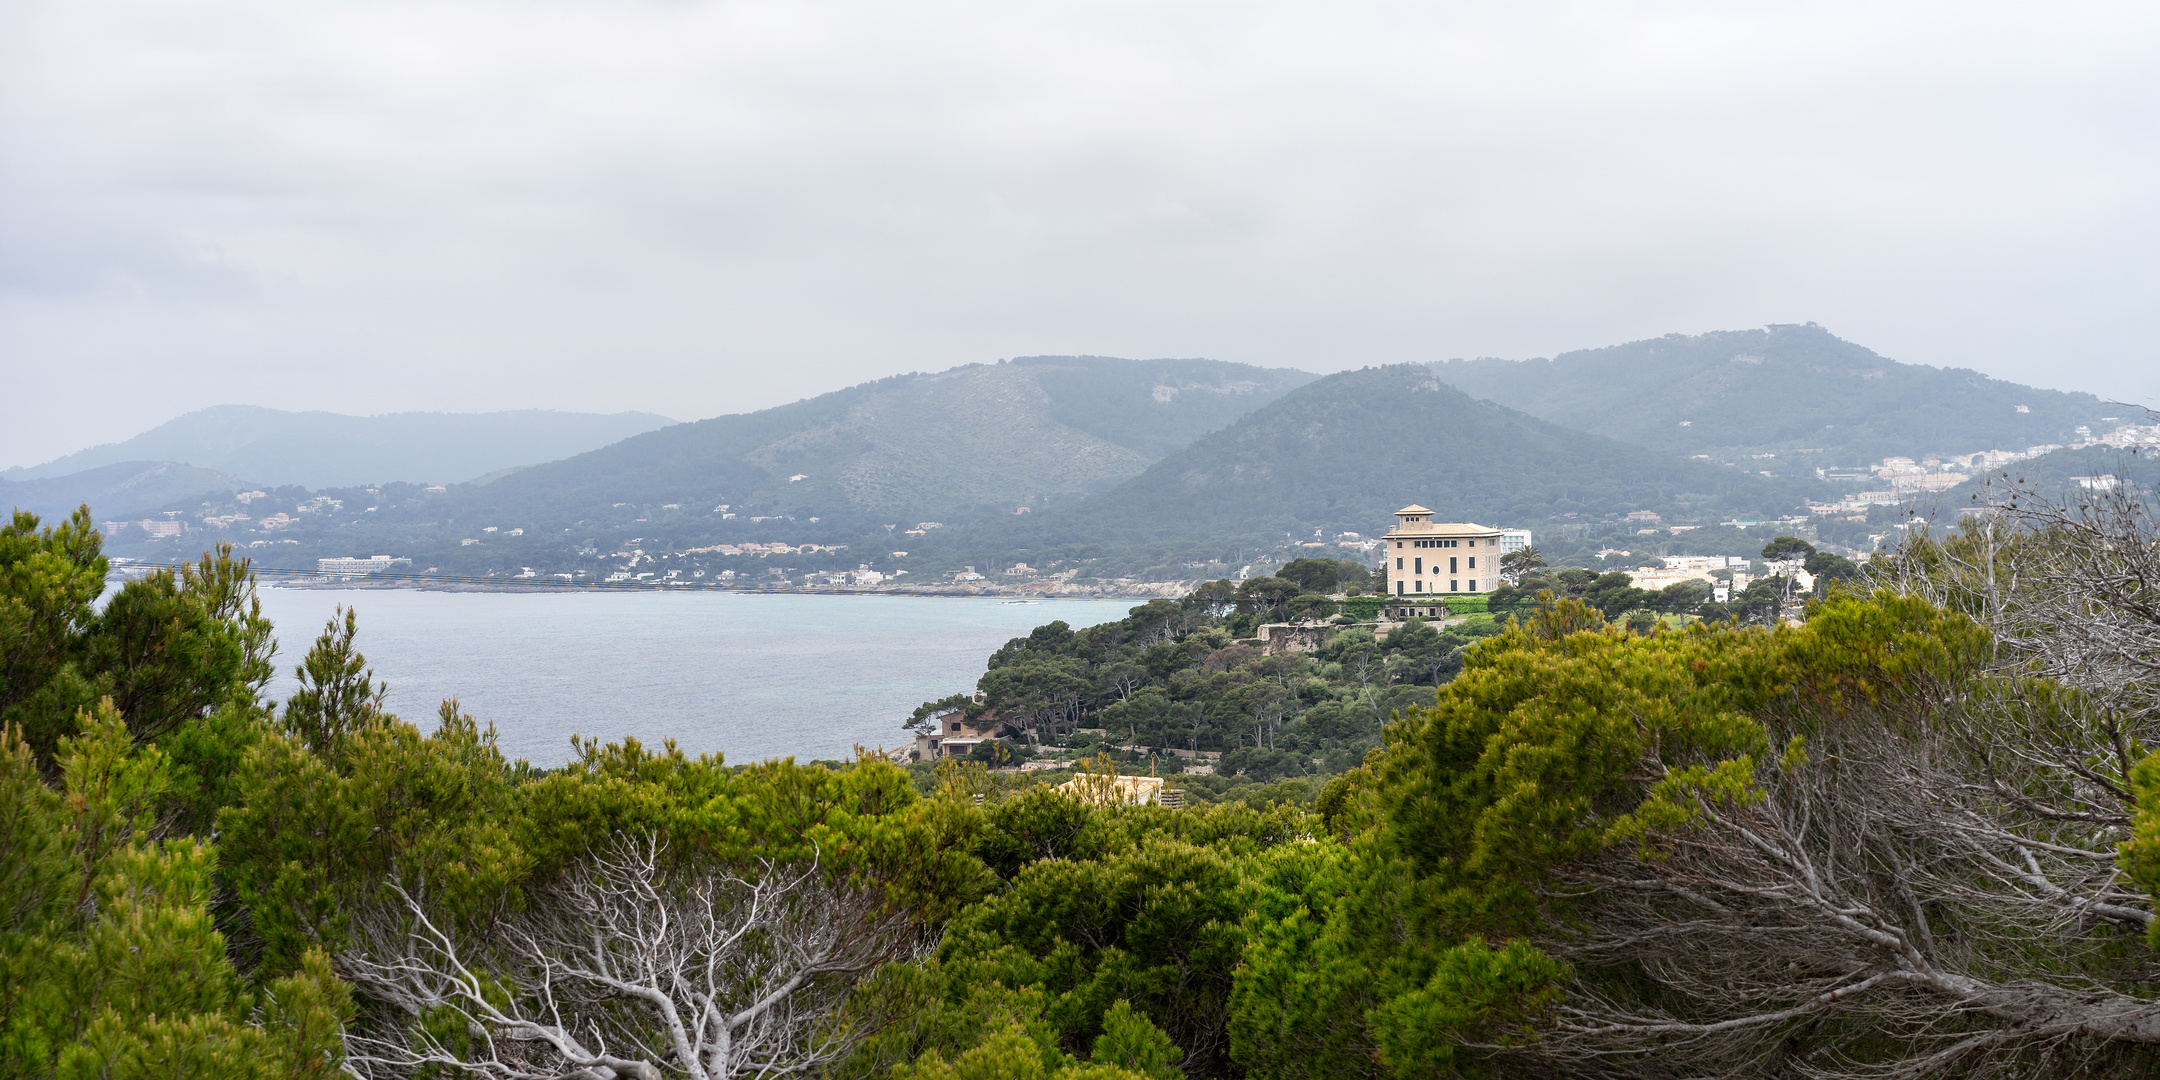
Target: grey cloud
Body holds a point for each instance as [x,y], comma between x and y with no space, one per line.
[705,207]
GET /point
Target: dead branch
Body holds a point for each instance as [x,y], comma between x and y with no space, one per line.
[1934,890]
[627,969]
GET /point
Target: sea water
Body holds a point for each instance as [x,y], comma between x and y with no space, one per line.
[751,676]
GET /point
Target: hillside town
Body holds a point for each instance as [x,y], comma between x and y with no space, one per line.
[1896,479]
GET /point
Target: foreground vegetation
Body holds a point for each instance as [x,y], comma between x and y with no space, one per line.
[1918,835]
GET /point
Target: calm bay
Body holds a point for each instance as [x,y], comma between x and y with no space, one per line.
[751,676]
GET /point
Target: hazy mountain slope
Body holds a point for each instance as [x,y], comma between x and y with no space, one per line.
[1154,407]
[1784,387]
[985,437]
[114,491]
[322,449]
[1345,452]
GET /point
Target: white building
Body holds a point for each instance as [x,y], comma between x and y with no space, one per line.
[1654,580]
[1514,540]
[1428,557]
[1693,562]
[351,567]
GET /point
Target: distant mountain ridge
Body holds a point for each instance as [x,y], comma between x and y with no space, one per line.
[1343,453]
[1732,394]
[113,491]
[1152,468]
[982,438]
[323,449]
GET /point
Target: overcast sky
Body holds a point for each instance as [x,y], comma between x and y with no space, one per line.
[696,208]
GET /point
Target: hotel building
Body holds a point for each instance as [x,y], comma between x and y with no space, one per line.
[1430,558]
[351,567]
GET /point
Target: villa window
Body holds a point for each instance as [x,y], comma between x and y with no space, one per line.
[1452,586]
[1454,566]
[1421,586]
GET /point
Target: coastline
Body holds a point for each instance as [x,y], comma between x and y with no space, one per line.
[272,577]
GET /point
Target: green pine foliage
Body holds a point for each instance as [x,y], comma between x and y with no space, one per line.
[1175,675]
[111,963]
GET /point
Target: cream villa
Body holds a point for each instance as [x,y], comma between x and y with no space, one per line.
[1428,557]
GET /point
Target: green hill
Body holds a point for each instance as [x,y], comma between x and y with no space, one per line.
[323,449]
[981,438]
[1345,452]
[853,467]
[113,491]
[1734,394]
[969,446]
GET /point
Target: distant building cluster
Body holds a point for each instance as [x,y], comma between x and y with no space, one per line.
[860,576]
[1905,477]
[755,549]
[1679,568]
[347,566]
[153,527]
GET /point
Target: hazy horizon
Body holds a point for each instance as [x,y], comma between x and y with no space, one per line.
[702,208]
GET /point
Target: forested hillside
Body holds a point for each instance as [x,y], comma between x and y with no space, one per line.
[117,490]
[1187,675]
[1918,835]
[272,447]
[984,437]
[852,468]
[1344,453]
[1785,387]
[1338,454]
[1257,462]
